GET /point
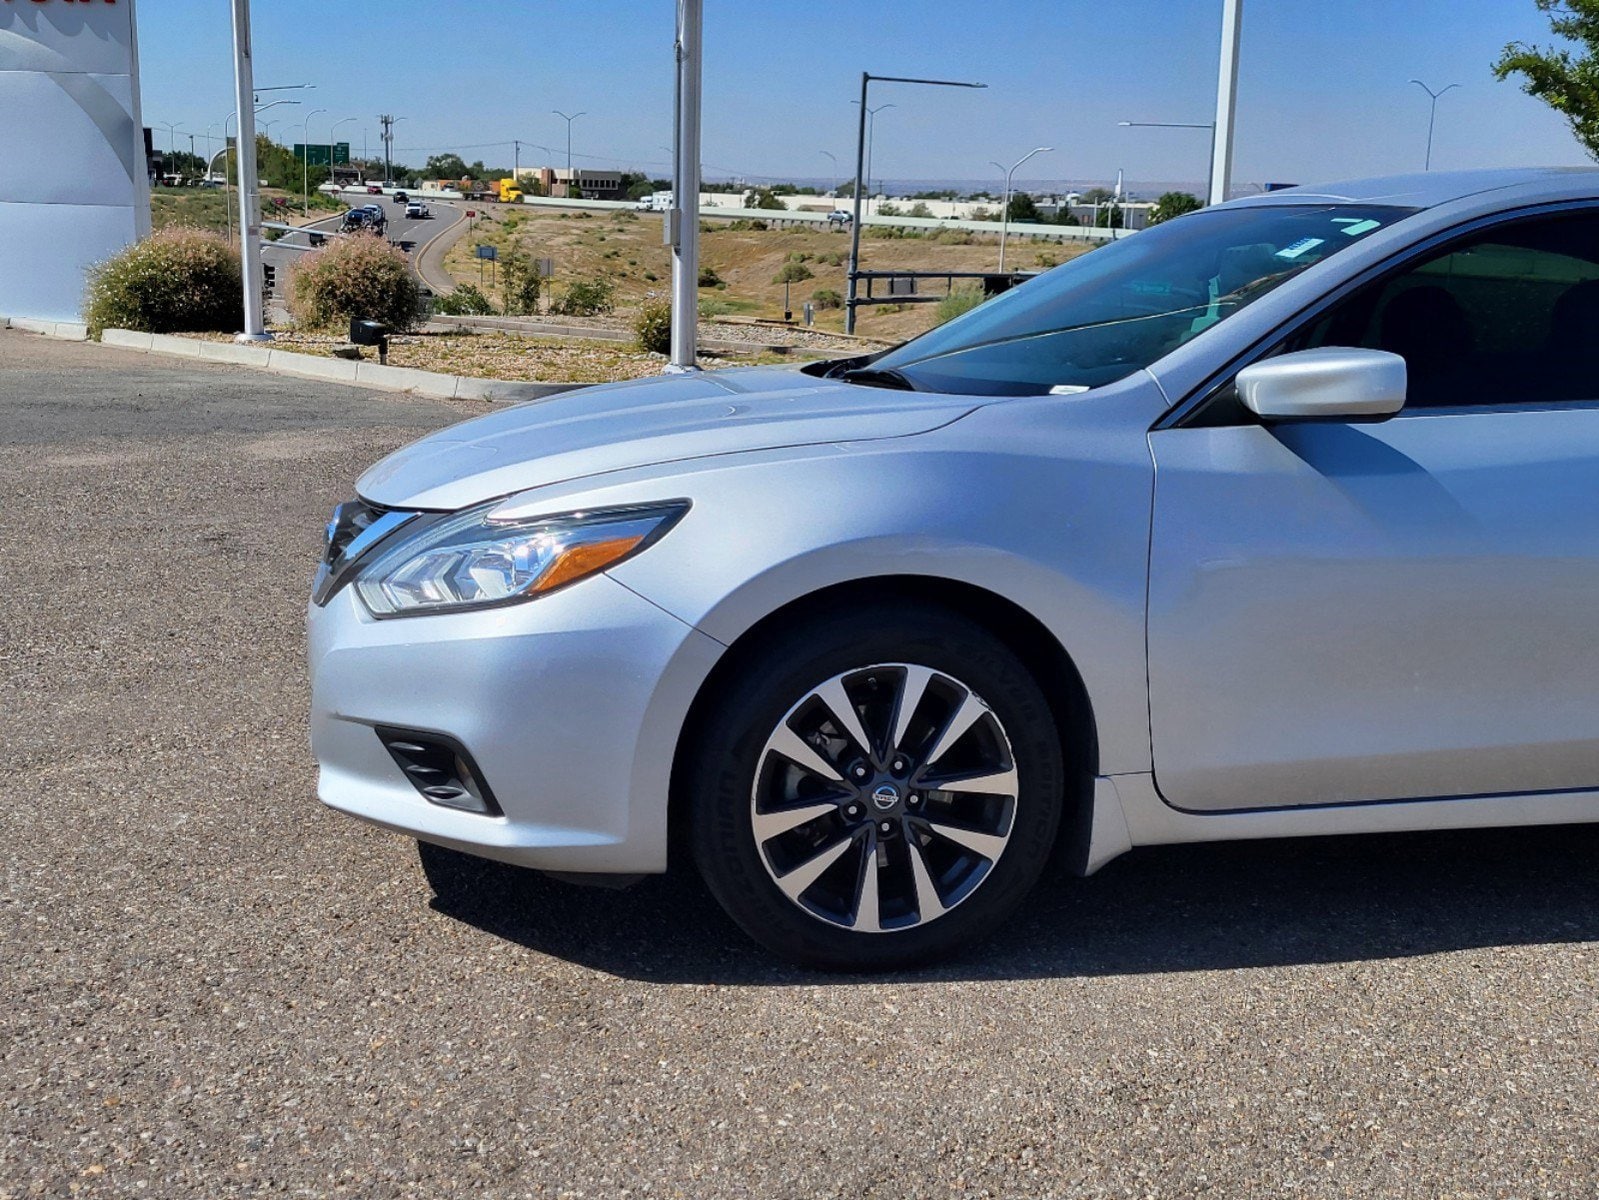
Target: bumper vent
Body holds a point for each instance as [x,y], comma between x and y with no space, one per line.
[440,768]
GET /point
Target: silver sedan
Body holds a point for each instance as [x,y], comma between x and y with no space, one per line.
[1278,519]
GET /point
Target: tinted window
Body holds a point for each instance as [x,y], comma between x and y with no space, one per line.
[1106,314]
[1510,316]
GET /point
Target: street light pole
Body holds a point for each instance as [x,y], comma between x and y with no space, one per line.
[683,221]
[1004,212]
[1176,125]
[1221,155]
[305,159]
[568,120]
[249,206]
[332,131]
[871,137]
[172,134]
[860,169]
[1434,115]
[832,158]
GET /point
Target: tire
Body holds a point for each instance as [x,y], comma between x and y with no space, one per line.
[972,791]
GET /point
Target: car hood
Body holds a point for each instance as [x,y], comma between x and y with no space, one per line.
[621,426]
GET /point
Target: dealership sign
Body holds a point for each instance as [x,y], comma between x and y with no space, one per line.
[74,189]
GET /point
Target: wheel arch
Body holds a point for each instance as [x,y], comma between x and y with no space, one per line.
[1038,648]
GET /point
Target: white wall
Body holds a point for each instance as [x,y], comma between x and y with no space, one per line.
[73,188]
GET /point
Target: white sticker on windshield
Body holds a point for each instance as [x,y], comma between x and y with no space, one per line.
[1302,246]
[1356,228]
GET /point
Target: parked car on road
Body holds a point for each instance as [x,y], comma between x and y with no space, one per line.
[1277,519]
[840,216]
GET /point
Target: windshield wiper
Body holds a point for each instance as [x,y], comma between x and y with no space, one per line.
[883,377]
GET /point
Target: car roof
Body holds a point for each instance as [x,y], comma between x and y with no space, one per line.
[1432,188]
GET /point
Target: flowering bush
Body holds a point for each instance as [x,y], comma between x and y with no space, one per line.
[357,276]
[653,327]
[179,280]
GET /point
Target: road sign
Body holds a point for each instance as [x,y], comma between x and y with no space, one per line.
[544,267]
[316,155]
[471,212]
[488,252]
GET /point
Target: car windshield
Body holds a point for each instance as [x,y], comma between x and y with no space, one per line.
[1109,313]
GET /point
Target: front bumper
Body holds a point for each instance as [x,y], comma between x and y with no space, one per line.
[570,705]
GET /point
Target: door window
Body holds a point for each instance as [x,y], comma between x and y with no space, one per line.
[1508,317]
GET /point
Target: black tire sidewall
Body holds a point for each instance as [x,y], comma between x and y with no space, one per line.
[779,674]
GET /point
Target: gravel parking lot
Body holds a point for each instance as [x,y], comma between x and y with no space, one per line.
[213,987]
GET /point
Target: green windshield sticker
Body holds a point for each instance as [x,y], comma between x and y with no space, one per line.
[1355,228]
[1302,246]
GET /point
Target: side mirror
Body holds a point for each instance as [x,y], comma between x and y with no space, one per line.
[1335,383]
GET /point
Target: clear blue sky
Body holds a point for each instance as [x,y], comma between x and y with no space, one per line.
[1322,93]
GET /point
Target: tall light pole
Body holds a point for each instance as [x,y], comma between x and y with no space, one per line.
[569,120]
[860,170]
[1004,212]
[683,221]
[832,158]
[1176,125]
[1221,149]
[227,187]
[1432,119]
[305,159]
[332,130]
[172,134]
[871,133]
[249,178]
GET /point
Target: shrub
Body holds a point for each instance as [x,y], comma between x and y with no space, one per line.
[464,301]
[886,209]
[653,327]
[793,273]
[713,307]
[519,284]
[175,281]
[827,298]
[709,278]
[919,210]
[584,298]
[358,276]
[961,300]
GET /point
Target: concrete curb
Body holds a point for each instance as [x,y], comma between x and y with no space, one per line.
[336,370]
[71,331]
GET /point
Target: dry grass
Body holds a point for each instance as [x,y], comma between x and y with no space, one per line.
[513,357]
[626,249]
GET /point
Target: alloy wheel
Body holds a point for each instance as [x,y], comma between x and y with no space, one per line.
[884,797]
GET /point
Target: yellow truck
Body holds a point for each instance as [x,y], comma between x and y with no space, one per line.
[509,192]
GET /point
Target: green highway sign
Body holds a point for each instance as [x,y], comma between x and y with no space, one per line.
[316,155]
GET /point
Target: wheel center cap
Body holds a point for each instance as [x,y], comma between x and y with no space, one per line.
[885,796]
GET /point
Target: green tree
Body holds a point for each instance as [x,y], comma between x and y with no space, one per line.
[762,197]
[1174,204]
[1565,78]
[1023,208]
[446,166]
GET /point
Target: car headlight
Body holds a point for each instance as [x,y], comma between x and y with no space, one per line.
[469,561]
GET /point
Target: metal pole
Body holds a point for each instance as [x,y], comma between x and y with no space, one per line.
[227,180]
[1004,218]
[685,214]
[249,200]
[1433,115]
[1221,162]
[305,156]
[855,222]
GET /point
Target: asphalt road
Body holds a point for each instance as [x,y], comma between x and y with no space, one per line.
[213,987]
[446,214]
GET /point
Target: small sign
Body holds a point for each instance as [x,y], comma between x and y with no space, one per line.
[902,287]
[488,252]
[471,212]
[544,267]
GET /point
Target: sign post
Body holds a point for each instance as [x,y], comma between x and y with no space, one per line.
[249,179]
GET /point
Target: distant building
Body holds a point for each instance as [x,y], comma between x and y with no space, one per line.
[591,184]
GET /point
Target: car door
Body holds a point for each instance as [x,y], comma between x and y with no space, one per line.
[1344,612]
